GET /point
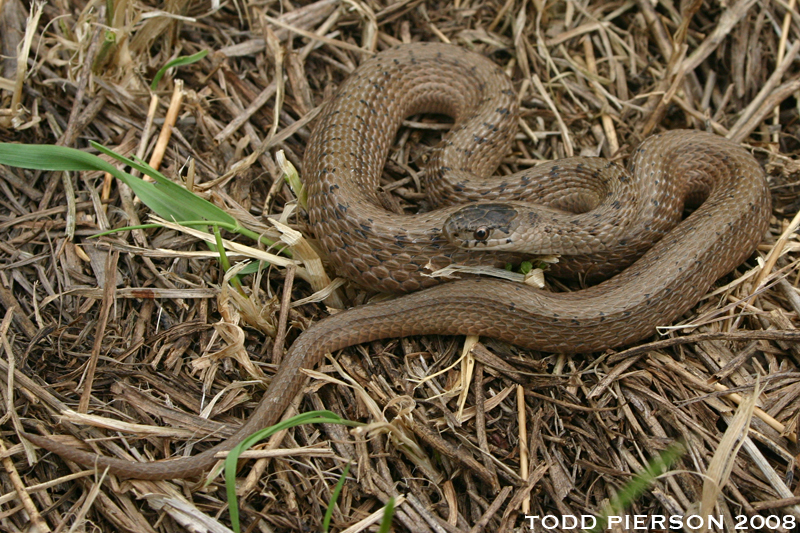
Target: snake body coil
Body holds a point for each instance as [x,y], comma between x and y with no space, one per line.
[343,163]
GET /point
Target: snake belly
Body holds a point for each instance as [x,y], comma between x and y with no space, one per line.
[388,252]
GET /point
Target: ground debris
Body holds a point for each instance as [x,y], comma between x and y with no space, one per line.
[136,344]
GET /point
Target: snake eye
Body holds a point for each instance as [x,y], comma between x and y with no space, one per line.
[481,234]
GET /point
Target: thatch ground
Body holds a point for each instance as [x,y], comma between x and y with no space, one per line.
[140,327]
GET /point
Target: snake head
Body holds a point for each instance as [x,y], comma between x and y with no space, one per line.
[489,226]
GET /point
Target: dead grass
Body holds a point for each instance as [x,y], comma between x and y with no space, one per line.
[136,330]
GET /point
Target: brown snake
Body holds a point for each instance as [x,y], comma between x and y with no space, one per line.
[366,243]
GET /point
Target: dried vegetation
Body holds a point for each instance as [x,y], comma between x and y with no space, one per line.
[140,330]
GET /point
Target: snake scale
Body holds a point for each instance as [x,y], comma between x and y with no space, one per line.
[389,252]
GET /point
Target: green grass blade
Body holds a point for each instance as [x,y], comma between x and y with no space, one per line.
[164,197]
[177,62]
[49,157]
[388,514]
[170,190]
[636,486]
[311,417]
[326,521]
[292,177]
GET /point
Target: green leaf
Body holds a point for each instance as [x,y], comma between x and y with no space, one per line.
[311,417]
[177,62]
[48,157]
[164,197]
[657,466]
[326,521]
[170,192]
[292,178]
[252,268]
[388,513]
